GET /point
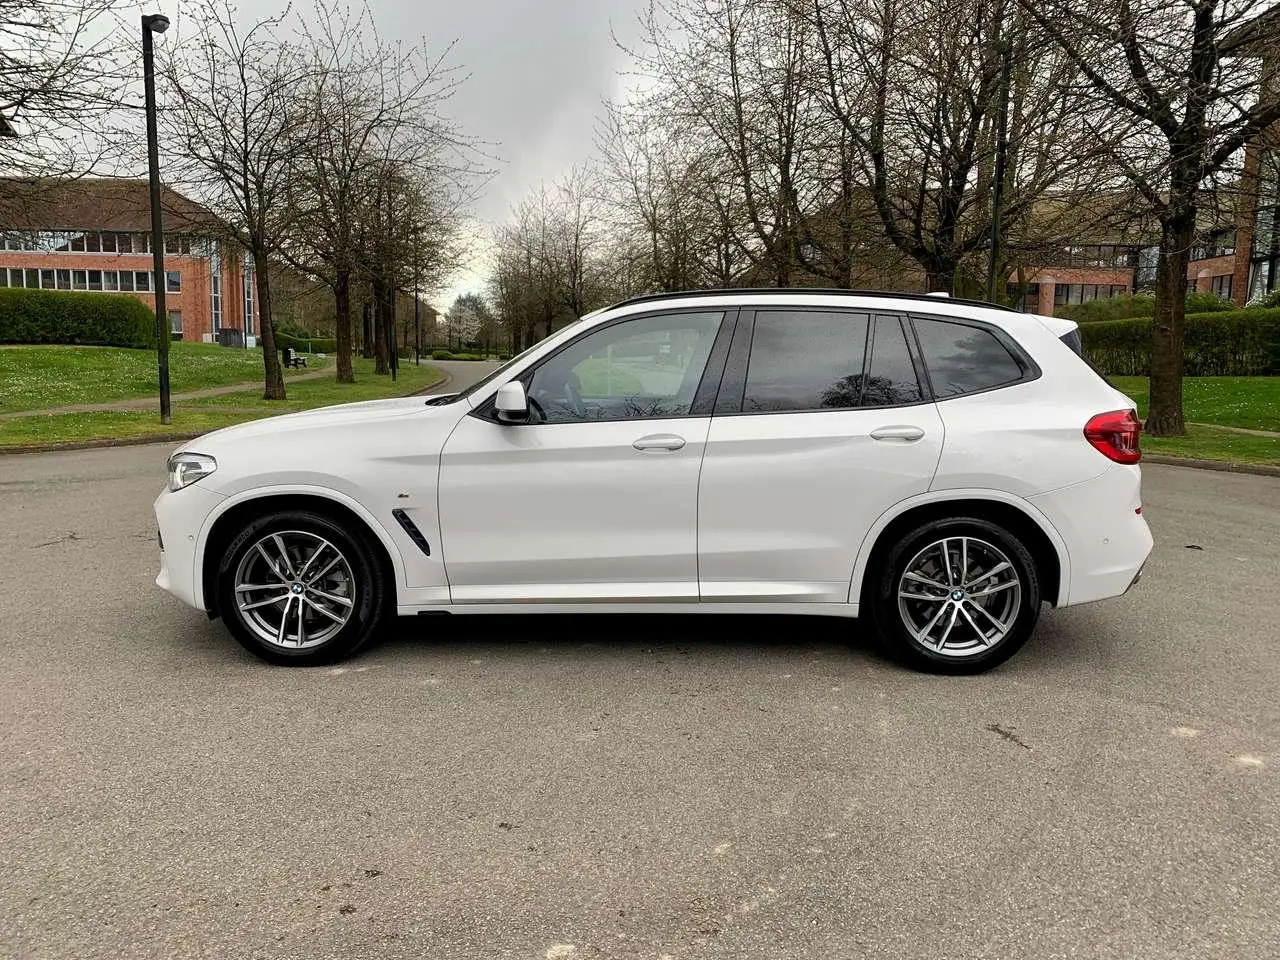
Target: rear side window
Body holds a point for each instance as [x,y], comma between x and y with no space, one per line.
[805,360]
[964,359]
[891,377]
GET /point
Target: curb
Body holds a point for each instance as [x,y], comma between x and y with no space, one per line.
[1220,466]
[101,443]
[107,442]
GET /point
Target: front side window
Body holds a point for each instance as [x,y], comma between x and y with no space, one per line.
[805,360]
[964,359]
[634,370]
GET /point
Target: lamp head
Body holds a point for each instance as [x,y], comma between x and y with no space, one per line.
[156,22]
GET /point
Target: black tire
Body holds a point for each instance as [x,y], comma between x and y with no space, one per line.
[367,587]
[891,622]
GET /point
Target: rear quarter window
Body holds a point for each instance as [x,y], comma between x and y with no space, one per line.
[962,358]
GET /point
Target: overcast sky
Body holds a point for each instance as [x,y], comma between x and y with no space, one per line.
[539,70]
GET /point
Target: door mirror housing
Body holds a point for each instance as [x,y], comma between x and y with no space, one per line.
[511,404]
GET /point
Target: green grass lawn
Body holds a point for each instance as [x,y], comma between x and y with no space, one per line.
[33,378]
[325,391]
[210,413]
[1251,402]
[1212,443]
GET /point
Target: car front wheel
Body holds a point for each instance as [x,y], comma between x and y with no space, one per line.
[957,596]
[296,588]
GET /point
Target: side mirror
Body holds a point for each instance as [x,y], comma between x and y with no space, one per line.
[510,403]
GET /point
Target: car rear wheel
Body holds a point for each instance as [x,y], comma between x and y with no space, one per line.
[297,588]
[957,596]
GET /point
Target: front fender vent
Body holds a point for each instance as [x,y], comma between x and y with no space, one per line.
[412,530]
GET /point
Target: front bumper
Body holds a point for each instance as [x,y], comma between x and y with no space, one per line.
[180,516]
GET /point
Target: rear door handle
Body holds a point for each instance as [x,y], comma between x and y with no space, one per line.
[898,433]
[659,441]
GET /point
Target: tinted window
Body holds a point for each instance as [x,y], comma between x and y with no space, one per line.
[644,368]
[805,360]
[891,378]
[964,359]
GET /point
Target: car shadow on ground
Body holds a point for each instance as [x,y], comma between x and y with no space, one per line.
[1062,638]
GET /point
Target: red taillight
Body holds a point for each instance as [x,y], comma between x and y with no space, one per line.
[1115,435]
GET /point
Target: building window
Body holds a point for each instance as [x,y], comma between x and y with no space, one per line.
[175,322]
[142,281]
[1222,286]
[77,243]
[46,279]
[248,302]
[126,281]
[110,280]
[178,245]
[141,243]
[95,279]
[1025,298]
[64,279]
[79,280]
[1070,294]
[173,281]
[33,278]
[215,302]
[1147,267]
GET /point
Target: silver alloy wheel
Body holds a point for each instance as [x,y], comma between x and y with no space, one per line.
[959,596]
[294,589]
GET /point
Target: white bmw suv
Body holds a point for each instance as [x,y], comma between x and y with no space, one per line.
[941,466]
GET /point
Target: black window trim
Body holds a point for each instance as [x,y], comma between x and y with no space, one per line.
[734,384]
[703,397]
[1030,369]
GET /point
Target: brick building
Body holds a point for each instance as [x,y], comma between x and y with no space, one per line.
[95,235]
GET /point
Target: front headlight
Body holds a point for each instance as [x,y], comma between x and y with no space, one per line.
[186,468]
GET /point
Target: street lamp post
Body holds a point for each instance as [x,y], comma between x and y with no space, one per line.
[153,23]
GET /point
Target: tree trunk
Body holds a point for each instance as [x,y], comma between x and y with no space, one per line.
[342,325]
[273,387]
[366,330]
[940,276]
[1177,234]
[381,317]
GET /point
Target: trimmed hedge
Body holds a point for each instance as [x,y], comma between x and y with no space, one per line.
[58,317]
[1126,306]
[1239,343]
[450,355]
[305,344]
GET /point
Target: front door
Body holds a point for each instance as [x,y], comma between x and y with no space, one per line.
[821,426]
[596,497]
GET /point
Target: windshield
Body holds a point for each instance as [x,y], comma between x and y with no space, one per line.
[510,363]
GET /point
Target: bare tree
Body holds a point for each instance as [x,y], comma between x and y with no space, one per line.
[735,71]
[380,106]
[1181,72]
[238,128]
[60,80]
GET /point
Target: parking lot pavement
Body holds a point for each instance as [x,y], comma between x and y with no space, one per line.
[632,787]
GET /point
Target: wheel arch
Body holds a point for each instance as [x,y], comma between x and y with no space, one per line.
[223,525]
[1043,541]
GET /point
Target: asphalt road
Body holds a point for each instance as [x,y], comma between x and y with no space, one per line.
[632,787]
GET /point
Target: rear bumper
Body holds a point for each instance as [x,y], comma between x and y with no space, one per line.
[1107,538]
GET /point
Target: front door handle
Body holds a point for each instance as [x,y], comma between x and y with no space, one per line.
[659,441]
[898,433]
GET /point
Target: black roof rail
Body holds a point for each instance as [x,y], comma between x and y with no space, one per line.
[815,291]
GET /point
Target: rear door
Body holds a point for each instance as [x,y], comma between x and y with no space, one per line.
[821,424]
